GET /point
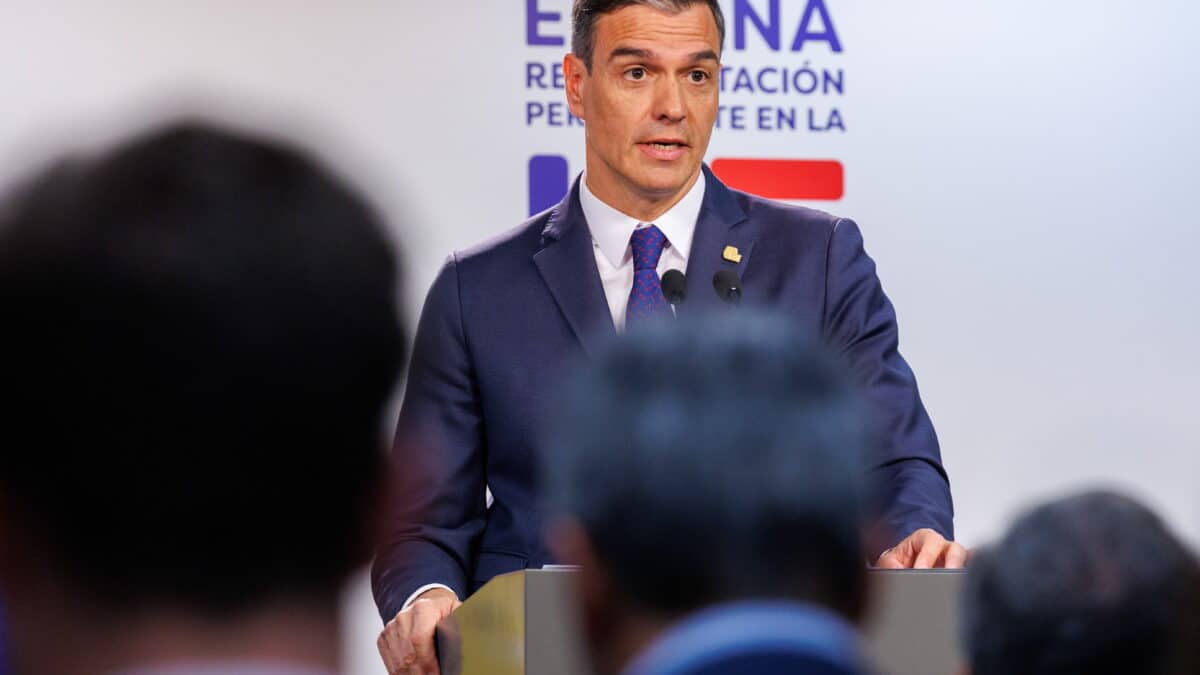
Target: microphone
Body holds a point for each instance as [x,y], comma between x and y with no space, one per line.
[728,286]
[674,288]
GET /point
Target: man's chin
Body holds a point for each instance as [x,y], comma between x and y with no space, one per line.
[663,182]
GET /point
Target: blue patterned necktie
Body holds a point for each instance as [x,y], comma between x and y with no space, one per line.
[646,299]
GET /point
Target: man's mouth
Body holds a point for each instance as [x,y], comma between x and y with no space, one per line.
[664,149]
[666,145]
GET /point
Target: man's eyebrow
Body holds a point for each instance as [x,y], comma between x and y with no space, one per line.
[648,55]
[644,54]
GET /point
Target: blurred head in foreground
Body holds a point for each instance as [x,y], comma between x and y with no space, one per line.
[709,470]
[199,338]
[1093,584]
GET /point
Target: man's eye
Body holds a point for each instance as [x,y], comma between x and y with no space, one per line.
[636,73]
[698,76]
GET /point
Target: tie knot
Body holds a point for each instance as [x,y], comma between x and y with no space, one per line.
[647,244]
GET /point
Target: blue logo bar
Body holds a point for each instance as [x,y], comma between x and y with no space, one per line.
[548,181]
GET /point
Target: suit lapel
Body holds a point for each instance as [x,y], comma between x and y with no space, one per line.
[567,264]
[721,223]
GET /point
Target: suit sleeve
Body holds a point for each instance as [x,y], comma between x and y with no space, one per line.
[909,486]
[438,460]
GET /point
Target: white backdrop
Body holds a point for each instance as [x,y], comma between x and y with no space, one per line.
[1024,173]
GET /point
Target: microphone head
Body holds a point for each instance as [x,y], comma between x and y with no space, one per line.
[727,285]
[674,287]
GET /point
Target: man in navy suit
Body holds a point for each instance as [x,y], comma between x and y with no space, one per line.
[503,321]
[706,477]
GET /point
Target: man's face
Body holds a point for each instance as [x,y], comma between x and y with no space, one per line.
[650,99]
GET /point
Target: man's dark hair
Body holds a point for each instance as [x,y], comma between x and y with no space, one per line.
[199,338]
[715,459]
[585,14]
[1093,583]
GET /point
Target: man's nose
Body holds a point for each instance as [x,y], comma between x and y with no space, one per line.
[668,101]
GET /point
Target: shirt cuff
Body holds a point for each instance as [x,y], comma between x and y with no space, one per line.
[417,593]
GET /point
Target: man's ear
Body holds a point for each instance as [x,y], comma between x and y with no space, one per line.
[593,587]
[379,512]
[576,75]
[567,540]
[571,545]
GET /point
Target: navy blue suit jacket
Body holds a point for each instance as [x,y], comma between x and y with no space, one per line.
[503,321]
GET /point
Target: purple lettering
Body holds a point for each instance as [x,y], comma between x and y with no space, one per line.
[534,17]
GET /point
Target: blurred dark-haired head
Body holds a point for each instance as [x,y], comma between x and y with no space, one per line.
[199,339]
[1093,583]
[711,460]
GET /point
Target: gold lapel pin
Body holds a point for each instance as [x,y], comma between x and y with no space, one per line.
[731,254]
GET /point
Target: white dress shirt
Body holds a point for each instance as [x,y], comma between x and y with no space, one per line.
[611,231]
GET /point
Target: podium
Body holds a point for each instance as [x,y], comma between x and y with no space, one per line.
[523,623]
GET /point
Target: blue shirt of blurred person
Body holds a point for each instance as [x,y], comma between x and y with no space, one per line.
[755,637]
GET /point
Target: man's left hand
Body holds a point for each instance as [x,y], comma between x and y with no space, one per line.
[923,549]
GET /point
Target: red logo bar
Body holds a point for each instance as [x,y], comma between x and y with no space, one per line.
[783,178]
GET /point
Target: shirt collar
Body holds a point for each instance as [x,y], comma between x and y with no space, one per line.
[612,229]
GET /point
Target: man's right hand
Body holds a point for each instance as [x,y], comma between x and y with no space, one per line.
[406,643]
